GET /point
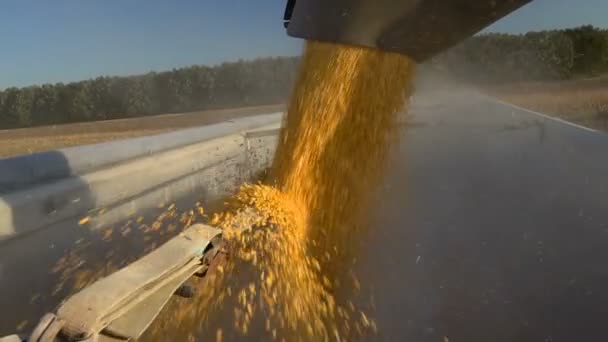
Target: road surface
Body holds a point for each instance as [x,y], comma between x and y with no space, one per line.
[492,226]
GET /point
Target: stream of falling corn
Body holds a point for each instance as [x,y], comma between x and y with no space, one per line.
[340,124]
[293,240]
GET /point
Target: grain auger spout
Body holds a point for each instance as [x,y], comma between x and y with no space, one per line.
[419,29]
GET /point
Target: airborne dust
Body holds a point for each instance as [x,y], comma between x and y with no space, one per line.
[293,240]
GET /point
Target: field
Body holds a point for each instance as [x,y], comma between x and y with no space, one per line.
[584,102]
[29,140]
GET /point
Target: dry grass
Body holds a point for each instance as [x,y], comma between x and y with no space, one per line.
[581,101]
[29,140]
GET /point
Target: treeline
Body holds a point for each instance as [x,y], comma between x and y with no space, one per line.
[534,56]
[242,83]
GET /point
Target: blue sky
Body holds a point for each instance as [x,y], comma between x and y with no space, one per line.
[67,40]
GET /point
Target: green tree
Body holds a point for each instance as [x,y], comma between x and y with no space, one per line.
[45,103]
[590,48]
[137,98]
[17,107]
[260,81]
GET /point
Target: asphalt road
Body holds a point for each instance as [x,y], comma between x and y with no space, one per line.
[492,226]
